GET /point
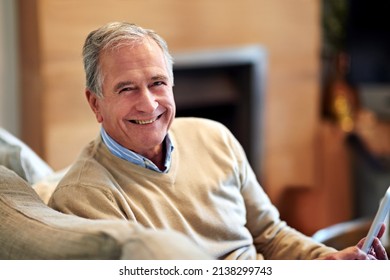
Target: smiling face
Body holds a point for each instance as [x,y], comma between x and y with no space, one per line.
[137,107]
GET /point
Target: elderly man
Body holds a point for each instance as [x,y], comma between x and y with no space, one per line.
[185,174]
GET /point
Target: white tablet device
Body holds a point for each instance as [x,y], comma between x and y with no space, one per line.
[380,217]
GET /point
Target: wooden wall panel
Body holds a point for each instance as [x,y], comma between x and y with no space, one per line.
[31,87]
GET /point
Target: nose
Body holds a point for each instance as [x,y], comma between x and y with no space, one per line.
[146,102]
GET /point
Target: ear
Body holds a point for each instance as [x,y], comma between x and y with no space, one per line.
[93,101]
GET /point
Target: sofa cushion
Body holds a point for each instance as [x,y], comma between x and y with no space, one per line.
[17,156]
[29,229]
[10,157]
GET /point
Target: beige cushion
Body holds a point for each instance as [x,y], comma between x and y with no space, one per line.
[17,156]
[10,157]
[29,229]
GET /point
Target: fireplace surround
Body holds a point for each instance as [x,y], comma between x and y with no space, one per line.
[226,85]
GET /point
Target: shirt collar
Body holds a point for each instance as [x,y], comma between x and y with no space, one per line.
[118,150]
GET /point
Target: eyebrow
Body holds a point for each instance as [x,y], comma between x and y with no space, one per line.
[159,77]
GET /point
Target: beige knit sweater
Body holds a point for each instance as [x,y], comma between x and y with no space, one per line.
[210,194]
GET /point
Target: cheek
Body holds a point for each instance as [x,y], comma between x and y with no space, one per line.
[173,105]
[170,101]
[115,111]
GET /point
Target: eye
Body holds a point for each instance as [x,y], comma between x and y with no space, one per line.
[158,83]
[126,89]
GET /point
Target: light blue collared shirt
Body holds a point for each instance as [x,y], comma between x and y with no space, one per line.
[118,150]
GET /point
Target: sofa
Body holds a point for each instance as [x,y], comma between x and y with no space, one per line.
[31,230]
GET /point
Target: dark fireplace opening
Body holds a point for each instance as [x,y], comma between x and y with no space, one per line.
[226,85]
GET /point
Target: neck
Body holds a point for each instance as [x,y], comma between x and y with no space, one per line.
[157,156]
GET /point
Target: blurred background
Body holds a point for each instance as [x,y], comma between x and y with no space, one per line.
[303,84]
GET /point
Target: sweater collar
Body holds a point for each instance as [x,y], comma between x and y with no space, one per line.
[118,150]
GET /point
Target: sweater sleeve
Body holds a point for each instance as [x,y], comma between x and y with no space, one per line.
[272,237]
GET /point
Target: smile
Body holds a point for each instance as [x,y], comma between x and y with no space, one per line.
[143,122]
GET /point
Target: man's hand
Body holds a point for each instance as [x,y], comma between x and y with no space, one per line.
[377,251]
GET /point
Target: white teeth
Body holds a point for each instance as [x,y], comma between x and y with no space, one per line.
[144,121]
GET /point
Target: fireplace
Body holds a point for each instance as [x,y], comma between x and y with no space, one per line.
[226,85]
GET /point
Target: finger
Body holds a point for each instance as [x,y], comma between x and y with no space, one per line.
[360,243]
[379,235]
[379,251]
[353,253]
[381,231]
[350,253]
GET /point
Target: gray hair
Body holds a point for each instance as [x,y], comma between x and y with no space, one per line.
[110,36]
